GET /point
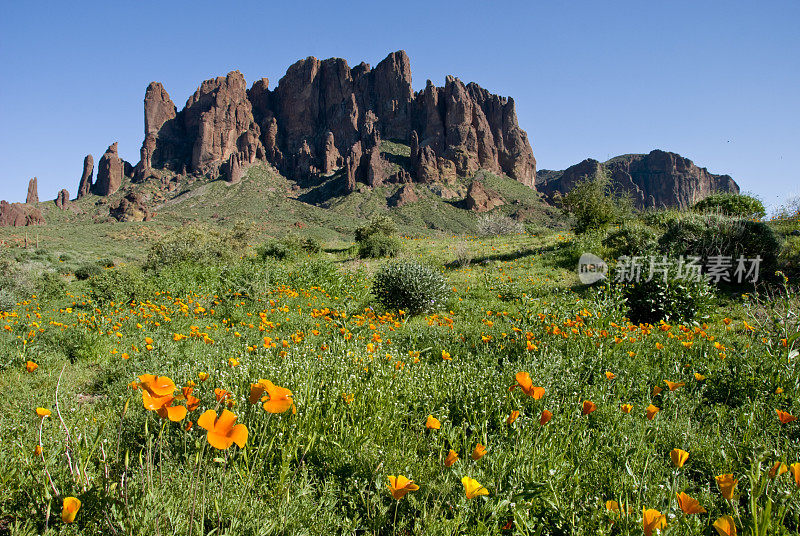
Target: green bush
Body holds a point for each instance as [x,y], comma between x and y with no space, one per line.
[377,246]
[672,299]
[106,263]
[15,285]
[410,286]
[632,238]
[50,285]
[378,225]
[740,205]
[289,247]
[496,224]
[121,285]
[708,235]
[64,257]
[595,205]
[199,244]
[87,270]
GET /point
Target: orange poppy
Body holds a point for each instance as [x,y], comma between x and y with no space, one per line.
[610,375]
[479,452]
[545,418]
[156,386]
[727,485]
[785,417]
[656,391]
[795,469]
[626,408]
[69,509]
[222,430]
[689,505]
[279,399]
[778,469]
[472,488]
[513,417]
[651,412]
[725,526]
[674,385]
[588,407]
[653,520]
[42,412]
[678,457]
[221,394]
[400,485]
[30,366]
[451,458]
[432,423]
[699,377]
[525,383]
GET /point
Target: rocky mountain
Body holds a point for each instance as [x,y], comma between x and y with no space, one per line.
[324,117]
[657,179]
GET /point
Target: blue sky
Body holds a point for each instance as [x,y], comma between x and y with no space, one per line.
[718,82]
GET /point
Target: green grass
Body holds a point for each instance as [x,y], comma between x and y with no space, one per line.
[364,381]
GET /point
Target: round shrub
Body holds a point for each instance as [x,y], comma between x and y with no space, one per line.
[675,299]
[122,285]
[410,286]
[378,245]
[743,206]
[86,271]
[378,225]
[631,238]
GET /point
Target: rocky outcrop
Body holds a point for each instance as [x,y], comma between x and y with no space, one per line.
[480,199]
[403,196]
[111,169]
[311,123]
[85,184]
[132,207]
[657,179]
[19,215]
[33,192]
[62,199]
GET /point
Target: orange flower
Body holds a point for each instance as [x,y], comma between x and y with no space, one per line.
[699,377]
[725,526]
[653,520]
[673,385]
[656,391]
[525,383]
[610,375]
[221,394]
[545,418]
[400,485]
[626,408]
[42,412]
[727,485]
[202,376]
[795,469]
[30,366]
[432,423]
[472,488]
[451,458]
[69,509]
[651,412]
[778,469]
[612,506]
[222,430]
[678,457]
[157,396]
[588,407]
[279,399]
[513,417]
[784,417]
[156,386]
[446,356]
[479,452]
[689,505]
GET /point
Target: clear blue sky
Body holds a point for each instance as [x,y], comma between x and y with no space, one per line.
[718,82]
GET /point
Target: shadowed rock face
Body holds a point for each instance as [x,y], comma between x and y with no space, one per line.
[85,184]
[33,192]
[110,171]
[657,179]
[19,215]
[324,115]
[62,200]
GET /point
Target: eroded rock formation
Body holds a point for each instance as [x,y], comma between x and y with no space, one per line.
[85,184]
[62,199]
[132,207]
[33,192]
[19,215]
[111,169]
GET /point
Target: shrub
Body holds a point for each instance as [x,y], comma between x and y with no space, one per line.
[740,205]
[197,243]
[106,263]
[15,285]
[410,286]
[121,285]
[672,299]
[289,247]
[64,257]
[87,270]
[743,206]
[708,235]
[49,285]
[595,205]
[496,224]
[631,238]
[378,246]
[380,225]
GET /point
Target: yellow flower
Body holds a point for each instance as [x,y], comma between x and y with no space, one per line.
[610,375]
[651,412]
[699,377]
[42,412]
[70,509]
[202,376]
[232,362]
[30,366]
[678,457]
[626,408]
[725,526]
[795,469]
[479,452]
[653,520]
[432,423]
[689,505]
[673,385]
[446,356]
[451,458]
[472,488]
[727,485]
[400,485]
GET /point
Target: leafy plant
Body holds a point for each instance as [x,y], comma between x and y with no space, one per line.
[410,286]
[740,205]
